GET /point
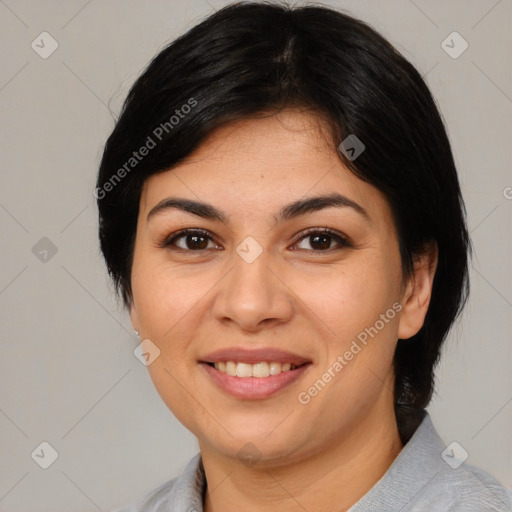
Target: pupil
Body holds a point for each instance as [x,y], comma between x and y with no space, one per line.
[194,244]
[324,245]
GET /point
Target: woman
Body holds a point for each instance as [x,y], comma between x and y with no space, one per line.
[280,211]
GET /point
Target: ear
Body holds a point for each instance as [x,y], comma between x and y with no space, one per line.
[417,293]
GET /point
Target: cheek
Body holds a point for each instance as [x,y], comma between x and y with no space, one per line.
[163,295]
[351,302]
[165,304]
[349,298]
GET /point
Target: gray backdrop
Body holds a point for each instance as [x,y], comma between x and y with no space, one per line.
[69,377]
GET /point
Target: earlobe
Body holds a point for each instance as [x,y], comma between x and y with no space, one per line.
[418,291]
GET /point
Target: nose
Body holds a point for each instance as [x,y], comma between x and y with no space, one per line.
[252,295]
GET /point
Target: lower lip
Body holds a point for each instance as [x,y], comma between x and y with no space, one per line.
[254,387]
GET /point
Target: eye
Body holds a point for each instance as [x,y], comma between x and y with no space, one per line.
[320,240]
[188,240]
[197,240]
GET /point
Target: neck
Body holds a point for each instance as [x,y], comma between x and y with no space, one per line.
[331,479]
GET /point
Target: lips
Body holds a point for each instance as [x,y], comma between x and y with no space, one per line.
[250,387]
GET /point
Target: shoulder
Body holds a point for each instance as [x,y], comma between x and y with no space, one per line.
[429,476]
[154,501]
[454,485]
[469,488]
[464,489]
[183,492]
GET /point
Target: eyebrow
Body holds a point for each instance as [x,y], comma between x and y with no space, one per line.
[290,211]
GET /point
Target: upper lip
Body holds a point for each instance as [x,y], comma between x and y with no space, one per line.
[253,356]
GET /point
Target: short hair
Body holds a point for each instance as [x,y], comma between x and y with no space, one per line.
[252,58]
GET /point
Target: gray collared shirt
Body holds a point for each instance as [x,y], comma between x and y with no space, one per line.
[425,476]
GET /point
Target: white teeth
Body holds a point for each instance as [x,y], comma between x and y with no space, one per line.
[230,368]
[244,370]
[275,368]
[262,369]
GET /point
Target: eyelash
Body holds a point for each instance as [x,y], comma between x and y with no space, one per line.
[168,241]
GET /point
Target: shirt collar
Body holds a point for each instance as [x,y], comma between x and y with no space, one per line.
[416,466]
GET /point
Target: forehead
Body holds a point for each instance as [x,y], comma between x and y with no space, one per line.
[261,164]
[266,143]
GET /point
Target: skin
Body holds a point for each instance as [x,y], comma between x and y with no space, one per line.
[324,455]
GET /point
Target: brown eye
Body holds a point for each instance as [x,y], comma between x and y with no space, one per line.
[321,240]
[197,240]
[188,240]
[194,242]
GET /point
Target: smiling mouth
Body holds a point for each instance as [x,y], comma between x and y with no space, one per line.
[253,372]
[259,370]
[254,381]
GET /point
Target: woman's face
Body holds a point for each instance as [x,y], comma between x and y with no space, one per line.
[259,283]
